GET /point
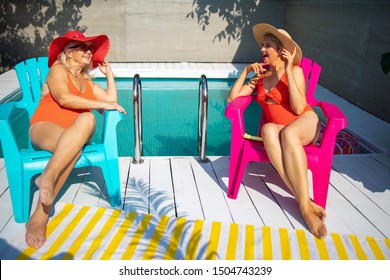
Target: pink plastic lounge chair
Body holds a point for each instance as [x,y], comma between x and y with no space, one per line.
[319,156]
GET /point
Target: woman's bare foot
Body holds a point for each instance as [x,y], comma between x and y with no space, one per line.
[36,230]
[319,210]
[46,189]
[314,217]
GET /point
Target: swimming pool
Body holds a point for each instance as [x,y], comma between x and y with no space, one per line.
[170,117]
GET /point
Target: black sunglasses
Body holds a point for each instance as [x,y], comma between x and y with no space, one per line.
[83,47]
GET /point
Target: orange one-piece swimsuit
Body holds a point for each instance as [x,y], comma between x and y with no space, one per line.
[279,112]
[49,110]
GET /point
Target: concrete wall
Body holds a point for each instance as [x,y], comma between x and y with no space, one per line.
[345,37]
[164,31]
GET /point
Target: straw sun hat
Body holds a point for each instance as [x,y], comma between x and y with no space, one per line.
[259,30]
[100,44]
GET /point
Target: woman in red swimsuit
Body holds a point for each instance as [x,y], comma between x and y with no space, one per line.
[291,122]
[63,122]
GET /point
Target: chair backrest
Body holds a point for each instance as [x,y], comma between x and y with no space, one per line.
[311,71]
[31,74]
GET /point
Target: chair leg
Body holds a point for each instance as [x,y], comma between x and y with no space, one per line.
[111,176]
[236,171]
[20,196]
[321,176]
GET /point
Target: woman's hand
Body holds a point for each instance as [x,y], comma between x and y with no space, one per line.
[113,106]
[288,59]
[257,68]
[105,68]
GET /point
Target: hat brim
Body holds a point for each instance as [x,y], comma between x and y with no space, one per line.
[259,30]
[100,43]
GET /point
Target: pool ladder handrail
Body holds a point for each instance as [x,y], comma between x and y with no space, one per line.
[202,118]
[137,105]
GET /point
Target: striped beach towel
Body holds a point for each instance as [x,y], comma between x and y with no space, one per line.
[82,232]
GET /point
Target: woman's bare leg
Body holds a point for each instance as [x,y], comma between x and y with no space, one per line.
[285,150]
[36,225]
[66,145]
[271,139]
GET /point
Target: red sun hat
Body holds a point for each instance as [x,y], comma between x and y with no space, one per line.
[100,44]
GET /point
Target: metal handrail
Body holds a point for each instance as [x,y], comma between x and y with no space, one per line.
[137,104]
[202,118]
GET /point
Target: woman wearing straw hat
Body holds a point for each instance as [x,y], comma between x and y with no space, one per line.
[63,122]
[291,122]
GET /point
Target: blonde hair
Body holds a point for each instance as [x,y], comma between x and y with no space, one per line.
[85,72]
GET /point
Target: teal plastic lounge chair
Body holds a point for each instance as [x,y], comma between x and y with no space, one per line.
[23,164]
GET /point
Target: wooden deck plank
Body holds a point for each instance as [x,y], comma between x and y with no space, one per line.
[242,209]
[162,200]
[136,198]
[282,195]
[362,203]
[264,201]
[344,217]
[92,189]
[211,195]
[186,194]
[124,171]
[372,182]
[5,209]
[382,158]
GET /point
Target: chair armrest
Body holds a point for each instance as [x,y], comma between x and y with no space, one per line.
[334,115]
[111,119]
[7,137]
[235,112]
[335,121]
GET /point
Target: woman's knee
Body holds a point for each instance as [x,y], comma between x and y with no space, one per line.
[270,132]
[289,138]
[87,120]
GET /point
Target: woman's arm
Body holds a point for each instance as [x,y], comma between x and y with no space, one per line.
[296,83]
[111,94]
[241,89]
[57,82]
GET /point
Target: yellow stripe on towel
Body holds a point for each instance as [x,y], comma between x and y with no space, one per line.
[343,255]
[321,248]
[175,239]
[194,240]
[303,245]
[267,243]
[249,253]
[212,248]
[84,234]
[99,238]
[158,234]
[358,248]
[232,242]
[124,227]
[285,244]
[375,248]
[137,237]
[387,242]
